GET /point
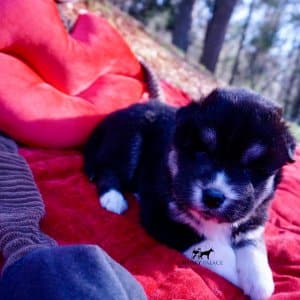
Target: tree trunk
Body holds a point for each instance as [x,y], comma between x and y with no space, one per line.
[288,106]
[296,107]
[241,43]
[215,32]
[182,24]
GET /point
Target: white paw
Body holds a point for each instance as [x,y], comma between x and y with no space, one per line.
[113,201]
[256,281]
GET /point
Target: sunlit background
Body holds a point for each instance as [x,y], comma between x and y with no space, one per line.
[245,43]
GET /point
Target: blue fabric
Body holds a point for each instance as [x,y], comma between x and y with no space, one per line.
[71,272]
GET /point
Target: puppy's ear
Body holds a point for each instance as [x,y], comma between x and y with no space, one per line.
[290,145]
[290,142]
[279,110]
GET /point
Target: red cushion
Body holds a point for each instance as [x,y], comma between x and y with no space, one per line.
[33,31]
[35,113]
[43,68]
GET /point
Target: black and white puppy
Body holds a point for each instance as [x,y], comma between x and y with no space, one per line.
[204,174]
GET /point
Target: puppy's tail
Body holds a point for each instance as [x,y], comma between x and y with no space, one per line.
[156,92]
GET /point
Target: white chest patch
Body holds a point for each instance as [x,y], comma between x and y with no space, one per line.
[215,253]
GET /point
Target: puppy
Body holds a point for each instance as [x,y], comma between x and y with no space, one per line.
[204,174]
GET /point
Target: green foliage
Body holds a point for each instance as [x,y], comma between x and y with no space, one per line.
[272,3]
[144,10]
[295,18]
[295,129]
[266,37]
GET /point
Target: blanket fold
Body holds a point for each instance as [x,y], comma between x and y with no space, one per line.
[54,85]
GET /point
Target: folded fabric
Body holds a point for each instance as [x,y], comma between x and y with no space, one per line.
[55,87]
[71,272]
[21,206]
[33,31]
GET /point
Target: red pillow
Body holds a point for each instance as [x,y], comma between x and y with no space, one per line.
[43,68]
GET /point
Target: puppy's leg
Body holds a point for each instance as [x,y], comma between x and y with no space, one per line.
[110,196]
[255,275]
[114,202]
[116,168]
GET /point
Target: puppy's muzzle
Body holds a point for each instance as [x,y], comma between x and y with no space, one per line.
[213,198]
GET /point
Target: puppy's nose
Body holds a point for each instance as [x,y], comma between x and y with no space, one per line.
[213,198]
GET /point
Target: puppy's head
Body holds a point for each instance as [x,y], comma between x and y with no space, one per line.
[226,154]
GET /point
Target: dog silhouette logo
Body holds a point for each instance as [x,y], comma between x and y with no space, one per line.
[199,254]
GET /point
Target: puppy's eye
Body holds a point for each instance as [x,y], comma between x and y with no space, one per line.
[194,145]
[201,154]
[253,155]
[202,148]
[258,171]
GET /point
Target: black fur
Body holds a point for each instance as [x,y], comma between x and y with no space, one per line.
[129,151]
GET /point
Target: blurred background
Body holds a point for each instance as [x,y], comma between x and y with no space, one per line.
[245,43]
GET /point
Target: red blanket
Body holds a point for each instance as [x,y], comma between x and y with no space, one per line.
[74,215]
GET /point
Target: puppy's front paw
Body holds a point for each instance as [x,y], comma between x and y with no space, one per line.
[256,281]
[113,201]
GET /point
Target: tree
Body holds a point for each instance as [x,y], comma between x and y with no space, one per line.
[263,42]
[292,104]
[235,66]
[215,32]
[182,24]
[290,81]
[295,115]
